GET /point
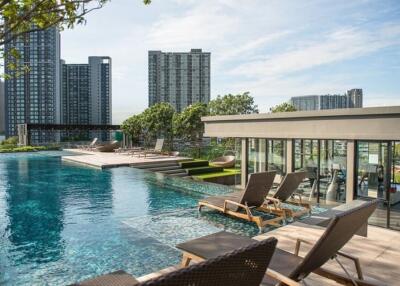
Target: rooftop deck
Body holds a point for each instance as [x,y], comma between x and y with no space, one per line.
[379,253]
[110,160]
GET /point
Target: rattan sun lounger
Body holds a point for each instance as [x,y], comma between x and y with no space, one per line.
[244,266]
[241,204]
[285,265]
[157,150]
[286,193]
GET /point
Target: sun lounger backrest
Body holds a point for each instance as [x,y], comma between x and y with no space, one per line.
[244,266]
[93,142]
[339,231]
[257,188]
[289,185]
[159,145]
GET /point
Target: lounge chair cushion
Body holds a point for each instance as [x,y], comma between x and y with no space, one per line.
[283,262]
[117,278]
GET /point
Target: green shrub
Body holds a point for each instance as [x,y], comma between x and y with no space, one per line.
[10,141]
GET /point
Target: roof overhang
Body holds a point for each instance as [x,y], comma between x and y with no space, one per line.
[373,123]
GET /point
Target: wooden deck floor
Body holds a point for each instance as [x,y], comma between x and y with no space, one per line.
[110,160]
[379,253]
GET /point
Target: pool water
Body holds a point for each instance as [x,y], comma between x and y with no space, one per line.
[60,223]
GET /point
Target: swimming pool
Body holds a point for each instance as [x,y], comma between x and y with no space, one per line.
[60,223]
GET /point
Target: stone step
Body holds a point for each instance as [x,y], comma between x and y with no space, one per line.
[170,172]
[164,168]
[155,165]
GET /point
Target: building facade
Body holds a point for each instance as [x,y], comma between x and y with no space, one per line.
[34,96]
[2,109]
[347,154]
[180,79]
[86,95]
[352,99]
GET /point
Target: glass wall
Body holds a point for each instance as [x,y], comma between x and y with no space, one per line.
[332,172]
[276,156]
[266,154]
[372,172]
[325,162]
[395,188]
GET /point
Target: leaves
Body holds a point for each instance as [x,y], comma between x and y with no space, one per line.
[283,107]
[187,124]
[233,104]
[19,17]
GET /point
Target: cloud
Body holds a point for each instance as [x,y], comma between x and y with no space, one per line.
[274,49]
[343,44]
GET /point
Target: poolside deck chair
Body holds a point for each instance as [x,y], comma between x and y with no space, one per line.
[110,147]
[90,146]
[240,204]
[157,150]
[286,193]
[288,268]
[244,266]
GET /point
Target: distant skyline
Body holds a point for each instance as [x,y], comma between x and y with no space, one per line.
[273,49]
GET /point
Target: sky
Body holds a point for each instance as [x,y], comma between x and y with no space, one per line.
[274,49]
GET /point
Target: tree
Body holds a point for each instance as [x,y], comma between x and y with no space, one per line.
[157,121]
[233,104]
[283,107]
[133,126]
[187,124]
[19,17]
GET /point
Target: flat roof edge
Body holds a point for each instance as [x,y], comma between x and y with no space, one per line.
[366,111]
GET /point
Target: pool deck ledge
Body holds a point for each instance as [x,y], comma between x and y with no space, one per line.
[112,160]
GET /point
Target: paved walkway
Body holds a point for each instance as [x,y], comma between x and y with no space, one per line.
[110,160]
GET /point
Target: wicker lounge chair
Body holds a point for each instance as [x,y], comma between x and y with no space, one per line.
[224,161]
[108,147]
[240,204]
[244,266]
[157,150]
[285,265]
[90,146]
[285,193]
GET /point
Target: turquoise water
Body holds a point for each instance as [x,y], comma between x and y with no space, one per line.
[60,222]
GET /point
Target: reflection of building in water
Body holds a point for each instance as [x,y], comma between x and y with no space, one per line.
[35,210]
[40,192]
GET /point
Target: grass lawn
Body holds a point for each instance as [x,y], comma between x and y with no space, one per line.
[225,172]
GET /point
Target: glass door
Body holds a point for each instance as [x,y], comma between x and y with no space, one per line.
[394,197]
[373,177]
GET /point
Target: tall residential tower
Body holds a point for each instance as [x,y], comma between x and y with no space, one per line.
[34,97]
[2,108]
[179,78]
[86,92]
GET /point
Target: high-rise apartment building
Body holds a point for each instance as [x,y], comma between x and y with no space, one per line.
[2,108]
[86,92]
[355,98]
[352,99]
[34,97]
[180,79]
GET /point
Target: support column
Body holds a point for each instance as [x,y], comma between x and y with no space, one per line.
[262,167]
[289,156]
[350,175]
[245,162]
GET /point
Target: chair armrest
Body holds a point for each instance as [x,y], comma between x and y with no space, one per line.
[298,243]
[356,261]
[247,209]
[275,201]
[282,278]
[299,195]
